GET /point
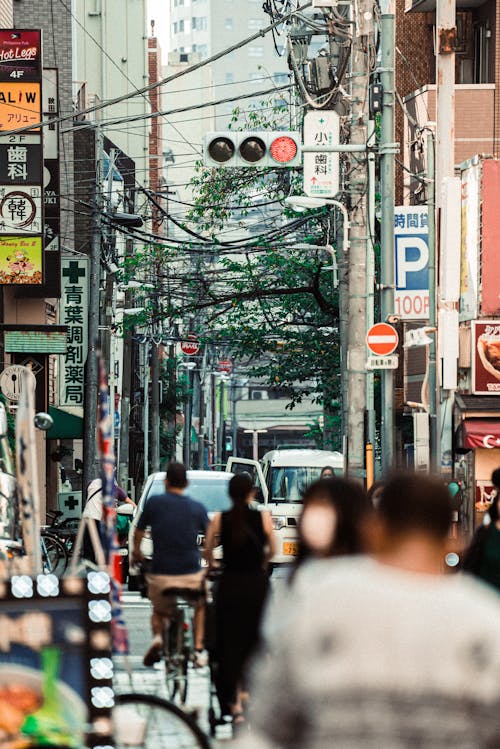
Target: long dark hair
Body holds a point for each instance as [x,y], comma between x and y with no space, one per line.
[239,488]
[351,506]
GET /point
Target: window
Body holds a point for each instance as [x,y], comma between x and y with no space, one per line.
[255,23]
[256,51]
[199,23]
[176,27]
[202,50]
[229,77]
[228,24]
[181,25]
[256,76]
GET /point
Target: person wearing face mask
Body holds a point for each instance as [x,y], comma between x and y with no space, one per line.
[333,514]
[482,558]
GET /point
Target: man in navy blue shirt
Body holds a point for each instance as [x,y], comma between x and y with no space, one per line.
[175,521]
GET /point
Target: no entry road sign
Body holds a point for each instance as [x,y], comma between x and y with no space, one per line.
[382,339]
[190,346]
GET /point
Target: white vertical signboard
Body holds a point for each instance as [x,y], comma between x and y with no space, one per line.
[321,169]
[74,313]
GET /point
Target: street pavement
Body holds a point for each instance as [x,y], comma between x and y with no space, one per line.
[132,676]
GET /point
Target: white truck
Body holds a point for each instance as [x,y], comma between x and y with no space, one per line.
[281,477]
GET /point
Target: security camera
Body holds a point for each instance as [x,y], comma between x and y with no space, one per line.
[393,319]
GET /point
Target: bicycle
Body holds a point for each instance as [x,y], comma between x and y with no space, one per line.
[178,640]
[64,530]
[54,555]
[150,722]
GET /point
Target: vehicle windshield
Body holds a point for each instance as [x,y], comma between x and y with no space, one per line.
[212,494]
[288,484]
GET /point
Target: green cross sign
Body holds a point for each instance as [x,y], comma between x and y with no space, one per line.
[74,272]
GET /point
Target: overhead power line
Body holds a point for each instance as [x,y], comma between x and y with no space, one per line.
[164,81]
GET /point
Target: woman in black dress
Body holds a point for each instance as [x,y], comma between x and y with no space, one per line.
[246,537]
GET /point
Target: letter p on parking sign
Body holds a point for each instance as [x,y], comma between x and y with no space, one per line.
[411,258]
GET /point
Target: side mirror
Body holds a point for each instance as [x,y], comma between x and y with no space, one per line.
[43,421]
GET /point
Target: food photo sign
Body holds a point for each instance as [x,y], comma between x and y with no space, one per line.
[485,339]
[55,662]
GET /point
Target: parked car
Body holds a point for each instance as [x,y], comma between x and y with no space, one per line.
[208,487]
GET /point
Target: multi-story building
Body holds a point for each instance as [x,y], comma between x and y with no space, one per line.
[206,27]
[467,296]
[108,64]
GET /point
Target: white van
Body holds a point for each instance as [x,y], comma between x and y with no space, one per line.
[282,476]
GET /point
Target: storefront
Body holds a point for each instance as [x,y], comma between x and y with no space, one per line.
[476,453]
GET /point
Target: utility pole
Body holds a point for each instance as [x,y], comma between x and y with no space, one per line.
[387,151]
[446,35]
[356,329]
[90,468]
[155,406]
[435,437]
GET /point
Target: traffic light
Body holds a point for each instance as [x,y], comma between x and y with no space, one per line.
[261,148]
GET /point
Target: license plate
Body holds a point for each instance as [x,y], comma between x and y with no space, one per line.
[291,548]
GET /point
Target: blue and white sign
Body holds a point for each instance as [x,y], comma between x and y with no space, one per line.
[411,255]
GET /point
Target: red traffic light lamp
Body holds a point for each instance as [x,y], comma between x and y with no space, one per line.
[252,149]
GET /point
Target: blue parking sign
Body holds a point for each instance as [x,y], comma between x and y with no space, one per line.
[411,258]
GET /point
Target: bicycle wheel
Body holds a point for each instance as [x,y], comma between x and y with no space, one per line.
[176,662]
[159,724]
[54,555]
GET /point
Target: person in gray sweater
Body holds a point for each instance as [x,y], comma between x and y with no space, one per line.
[384,650]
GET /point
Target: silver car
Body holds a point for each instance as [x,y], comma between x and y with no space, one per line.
[208,487]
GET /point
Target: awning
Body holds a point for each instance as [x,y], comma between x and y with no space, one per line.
[66,426]
[479,433]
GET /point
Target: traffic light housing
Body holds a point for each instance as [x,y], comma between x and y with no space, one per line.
[258,148]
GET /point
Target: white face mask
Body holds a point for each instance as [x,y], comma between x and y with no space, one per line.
[318,526]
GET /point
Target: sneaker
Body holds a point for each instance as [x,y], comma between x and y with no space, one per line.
[153,655]
[200,658]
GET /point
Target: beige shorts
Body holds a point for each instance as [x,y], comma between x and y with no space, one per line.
[165,604]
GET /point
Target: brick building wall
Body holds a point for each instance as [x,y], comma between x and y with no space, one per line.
[6,14]
[156,132]
[57,53]
[414,67]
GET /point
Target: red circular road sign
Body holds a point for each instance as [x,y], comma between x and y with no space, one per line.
[225,365]
[382,339]
[190,346]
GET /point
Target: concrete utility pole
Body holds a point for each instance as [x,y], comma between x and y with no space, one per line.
[356,329]
[90,469]
[446,34]
[387,151]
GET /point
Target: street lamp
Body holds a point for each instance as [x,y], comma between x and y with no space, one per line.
[300,203]
[255,440]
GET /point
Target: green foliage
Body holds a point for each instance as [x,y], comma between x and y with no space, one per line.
[268,304]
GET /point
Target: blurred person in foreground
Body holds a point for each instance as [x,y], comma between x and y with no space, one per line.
[482,558]
[334,514]
[334,511]
[385,651]
[247,540]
